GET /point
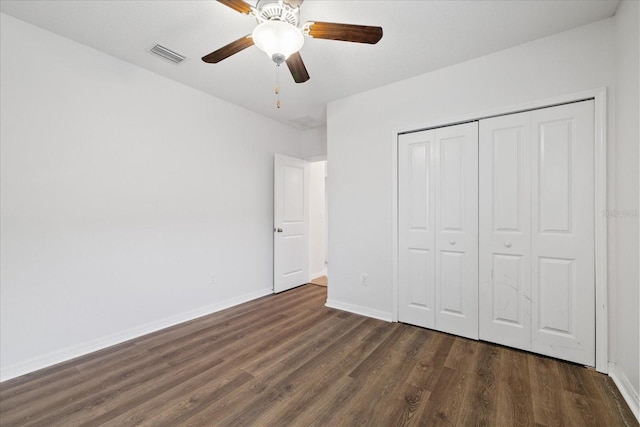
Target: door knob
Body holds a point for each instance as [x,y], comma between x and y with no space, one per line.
[507,244]
[452,242]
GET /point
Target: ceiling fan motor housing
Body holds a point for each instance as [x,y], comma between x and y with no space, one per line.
[269,10]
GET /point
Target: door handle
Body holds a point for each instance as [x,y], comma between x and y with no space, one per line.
[452,242]
[277,230]
[507,244]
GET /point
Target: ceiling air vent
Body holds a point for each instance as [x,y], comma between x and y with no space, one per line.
[167,54]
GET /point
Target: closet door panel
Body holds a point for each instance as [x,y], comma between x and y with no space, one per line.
[504,230]
[416,213]
[456,230]
[562,154]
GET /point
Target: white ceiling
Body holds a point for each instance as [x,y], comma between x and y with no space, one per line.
[419,36]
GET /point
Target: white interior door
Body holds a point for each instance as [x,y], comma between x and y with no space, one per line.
[416,220]
[438,225]
[562,232]
[291,223]
[456,232]
[505,237]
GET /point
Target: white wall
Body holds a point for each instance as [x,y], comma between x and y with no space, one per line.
[121,193]
[360,140]
[625,303]
[317,219]
[315,143]
[360,156]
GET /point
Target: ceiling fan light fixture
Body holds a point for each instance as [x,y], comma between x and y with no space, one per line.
[278,39]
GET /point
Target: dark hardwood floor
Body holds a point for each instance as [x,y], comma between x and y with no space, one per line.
[286,360]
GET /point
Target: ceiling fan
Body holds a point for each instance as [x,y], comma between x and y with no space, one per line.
[279,35]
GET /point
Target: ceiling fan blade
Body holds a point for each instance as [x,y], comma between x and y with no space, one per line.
[228,50]
[237,5]
[294,3]
[344,32]
[297,68]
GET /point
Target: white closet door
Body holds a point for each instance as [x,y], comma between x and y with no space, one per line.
[416,223]
[456,229]
[438,229]
[505,237]
[536,277]
[562,220]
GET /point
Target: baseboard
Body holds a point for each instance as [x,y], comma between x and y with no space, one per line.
[629,394]
[357,309]
[83,349]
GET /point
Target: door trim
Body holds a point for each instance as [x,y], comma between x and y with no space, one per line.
[599,96]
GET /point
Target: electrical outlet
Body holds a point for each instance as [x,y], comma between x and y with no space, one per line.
[364,278]
[212,281]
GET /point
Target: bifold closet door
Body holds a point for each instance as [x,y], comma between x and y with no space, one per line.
[505,236]
[438,229]
[562,232]
[536,278]
[416,222]
[457,229]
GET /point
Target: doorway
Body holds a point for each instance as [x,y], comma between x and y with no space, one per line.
[300,222]
[318,274]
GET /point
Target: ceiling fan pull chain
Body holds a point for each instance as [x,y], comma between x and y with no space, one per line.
[277,85]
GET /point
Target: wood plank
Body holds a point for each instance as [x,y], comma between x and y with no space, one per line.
[283,388]
[186,401]
[545,390]
[287,360]
[383,378]
[482,393]
[515,407]
[310,388]
[366,343]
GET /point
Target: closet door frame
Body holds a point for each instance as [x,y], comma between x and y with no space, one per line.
[599,96]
